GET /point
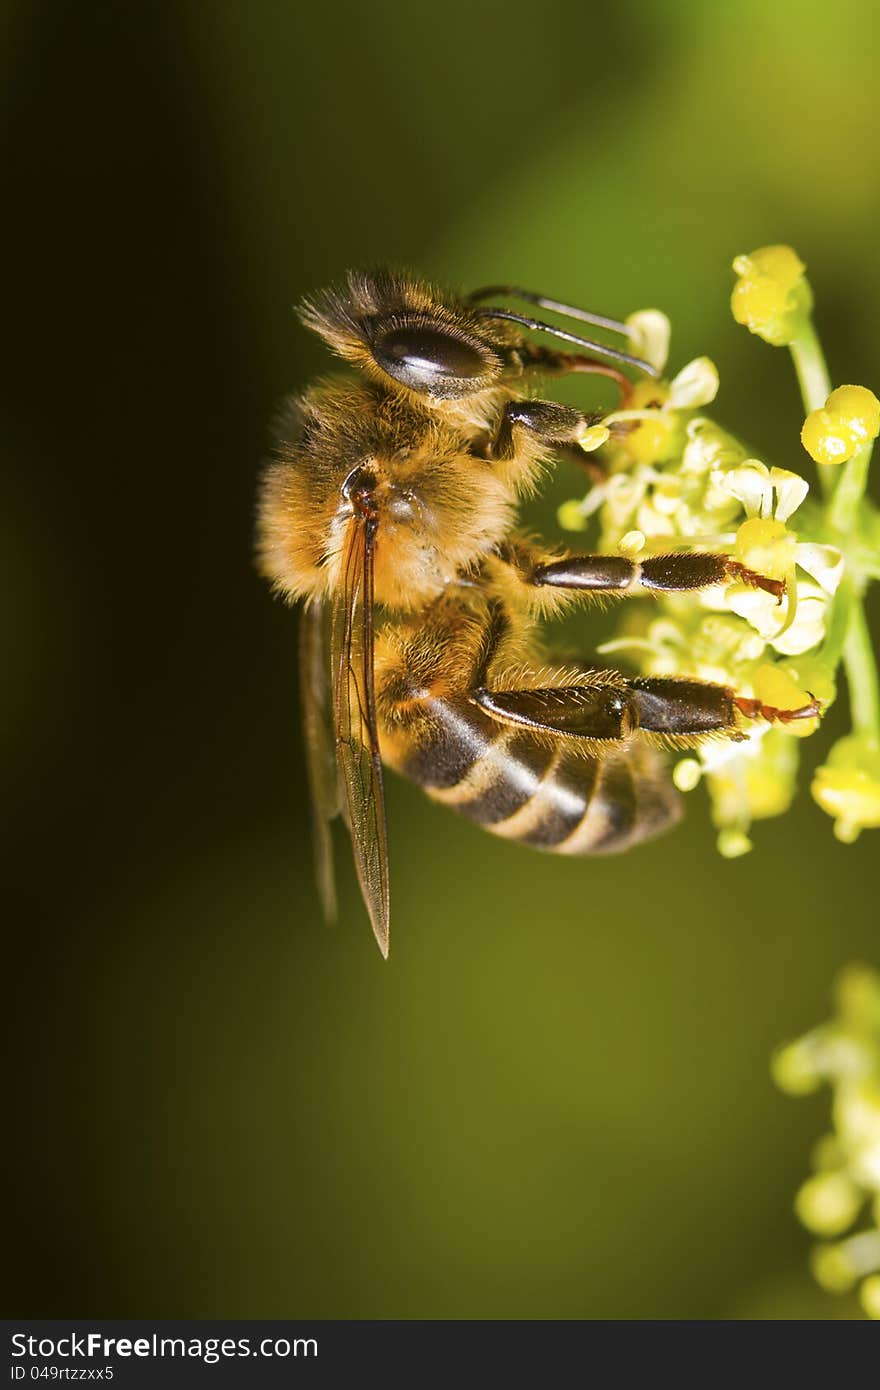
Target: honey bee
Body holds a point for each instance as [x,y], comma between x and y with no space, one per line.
[390,507]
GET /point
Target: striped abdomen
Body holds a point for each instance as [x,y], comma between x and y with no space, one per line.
[537,790]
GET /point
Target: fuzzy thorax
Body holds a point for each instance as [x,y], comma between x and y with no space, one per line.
[440,509]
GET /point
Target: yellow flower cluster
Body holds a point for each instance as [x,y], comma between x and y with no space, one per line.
[674,479]
[844,1190]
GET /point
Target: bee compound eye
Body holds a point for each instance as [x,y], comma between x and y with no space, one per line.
[428,357]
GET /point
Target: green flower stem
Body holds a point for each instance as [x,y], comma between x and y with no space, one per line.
[815,384]
[838,624]
[809,363]
[843,510]
[861,675]
[848,636]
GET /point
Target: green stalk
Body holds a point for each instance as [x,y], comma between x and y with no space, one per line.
[815,384]
[843,509]
[809,363]
[848,636]
[861,675]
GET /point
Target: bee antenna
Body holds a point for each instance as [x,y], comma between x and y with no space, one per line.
[557,307]
[601,348]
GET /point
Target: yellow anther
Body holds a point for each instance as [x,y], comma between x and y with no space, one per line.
[593,437]
[632,543]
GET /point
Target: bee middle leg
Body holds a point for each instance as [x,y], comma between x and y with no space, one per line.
[681,572]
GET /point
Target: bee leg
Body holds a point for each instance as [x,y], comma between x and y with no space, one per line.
[677,573]
[689,708]
[611,712]
[550,422]
[603,713]
[548,362]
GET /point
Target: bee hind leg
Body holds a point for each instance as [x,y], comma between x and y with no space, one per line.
[683,708]
[600,713]
[610,709]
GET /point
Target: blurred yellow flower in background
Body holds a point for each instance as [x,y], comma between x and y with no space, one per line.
[845,1054]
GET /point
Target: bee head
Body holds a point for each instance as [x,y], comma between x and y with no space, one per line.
[407,334]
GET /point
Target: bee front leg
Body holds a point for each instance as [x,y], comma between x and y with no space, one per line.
[549,362]
[544,421]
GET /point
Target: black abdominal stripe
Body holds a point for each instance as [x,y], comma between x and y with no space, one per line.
[534,790]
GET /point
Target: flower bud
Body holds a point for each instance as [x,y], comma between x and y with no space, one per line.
[695,385]
[649,332]
[686,774]
[847,787]
[771,297]
[733,843]
[869,1294]
[833,1269]
[571,516]
[849,419]
[828,1203]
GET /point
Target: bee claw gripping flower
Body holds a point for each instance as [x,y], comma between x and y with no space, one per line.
[775,632]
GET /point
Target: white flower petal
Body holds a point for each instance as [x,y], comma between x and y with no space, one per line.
[695,385]
[801,637]
[824,562]
[709,446]
[714,598]
[649,332]
[760,609]
[652,522]
[808,628]
[749,484]
[791,489]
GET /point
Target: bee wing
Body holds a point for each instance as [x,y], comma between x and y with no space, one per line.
[357,739]
[317,721]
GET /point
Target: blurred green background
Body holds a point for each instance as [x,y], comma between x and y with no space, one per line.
[554,1101]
